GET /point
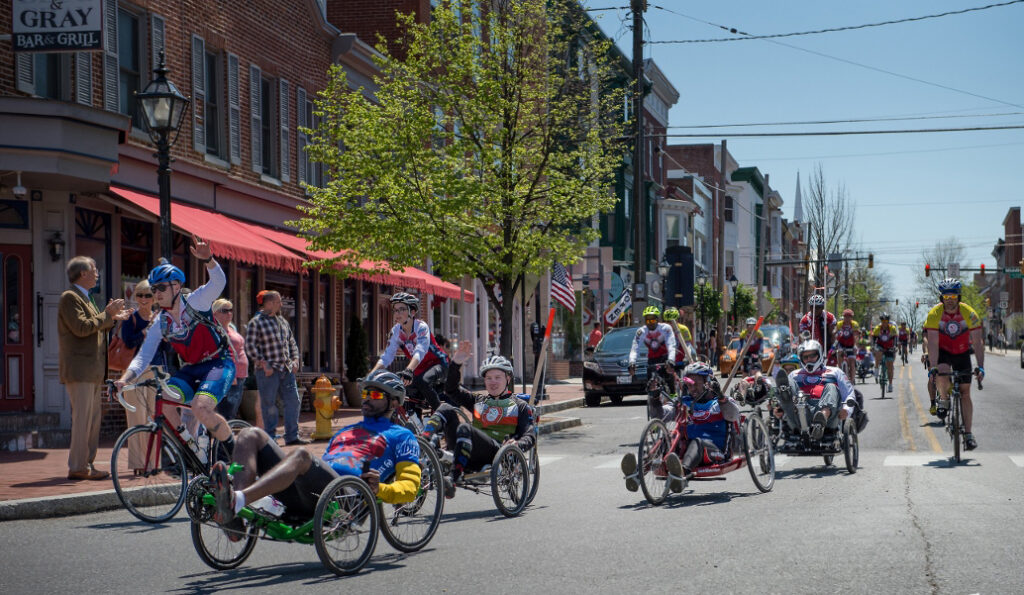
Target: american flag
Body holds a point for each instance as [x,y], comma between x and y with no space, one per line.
[562,288]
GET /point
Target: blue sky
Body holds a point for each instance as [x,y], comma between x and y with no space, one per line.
[911,190]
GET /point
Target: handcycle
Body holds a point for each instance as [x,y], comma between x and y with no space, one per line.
[343,528]
[799,442]
[953,420]
[658,440]
[156,491]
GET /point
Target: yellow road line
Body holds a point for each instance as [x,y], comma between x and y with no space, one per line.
[905,421]
[925,420]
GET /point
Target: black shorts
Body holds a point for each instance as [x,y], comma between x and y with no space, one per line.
[300,498]
[959,362]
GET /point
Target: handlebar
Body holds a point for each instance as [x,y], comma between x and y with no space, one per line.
[159,382]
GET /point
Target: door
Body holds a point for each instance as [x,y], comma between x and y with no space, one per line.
[16,347]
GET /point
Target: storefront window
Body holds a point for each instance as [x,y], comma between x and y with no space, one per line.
[92,238]
[305,339]
[288,288]
[136,253]
[244,306]
[13,319]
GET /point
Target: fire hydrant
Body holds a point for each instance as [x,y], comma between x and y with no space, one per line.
[325,404]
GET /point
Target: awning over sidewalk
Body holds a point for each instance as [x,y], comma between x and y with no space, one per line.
[410,277]
[227,238]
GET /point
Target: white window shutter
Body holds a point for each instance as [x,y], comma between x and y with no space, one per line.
[300,136]
[255,117]
[156,39]
[286,143]
[234,112]
[26,73]
[83,77]
[198,94]
[111,68]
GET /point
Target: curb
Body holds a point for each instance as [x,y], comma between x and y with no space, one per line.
[559,423]
[544,409]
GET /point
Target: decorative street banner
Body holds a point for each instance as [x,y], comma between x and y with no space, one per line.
[619,307]
[57,25]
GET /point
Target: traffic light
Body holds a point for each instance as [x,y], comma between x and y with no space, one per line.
[871,261]
[917,305]
[928,269]
[983,269]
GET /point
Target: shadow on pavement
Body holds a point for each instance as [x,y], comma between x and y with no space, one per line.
[949,463]
[689,498]
[490,515]
[136,526]
[820,471]
[244,578]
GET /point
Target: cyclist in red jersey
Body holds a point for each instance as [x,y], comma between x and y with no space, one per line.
[820,325]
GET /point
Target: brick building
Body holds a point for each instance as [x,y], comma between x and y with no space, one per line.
[70,134]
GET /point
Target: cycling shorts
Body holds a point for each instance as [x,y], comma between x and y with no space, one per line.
[300,498]
[212,378]
[959,362]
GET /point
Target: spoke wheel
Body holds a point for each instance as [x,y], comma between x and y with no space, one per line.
[955,428]
[757,447]
[222,454]
[213,544]
[345,525]
[157,492]
[411,525]
[650,461]
[510,480]
[851,446]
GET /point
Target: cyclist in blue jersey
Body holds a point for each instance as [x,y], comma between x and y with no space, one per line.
[427,362]
[186,323]
[298,478]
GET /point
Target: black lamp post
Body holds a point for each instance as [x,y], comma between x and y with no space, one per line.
[702,283]
[163,108]
[734,283]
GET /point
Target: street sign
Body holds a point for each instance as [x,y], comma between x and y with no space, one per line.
[1003,305]
[1004,296]
[1016,275]
[953,269]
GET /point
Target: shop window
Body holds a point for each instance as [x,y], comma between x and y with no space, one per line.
[245,305]
[52,76]
[136,249]
[268,127]
[129,59]
[11,307]
[212,106]
[13,214]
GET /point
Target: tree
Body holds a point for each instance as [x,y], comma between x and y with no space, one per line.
[707,303]
[830,214]
[743,304]
[939,257]
[488,150]
[867,289]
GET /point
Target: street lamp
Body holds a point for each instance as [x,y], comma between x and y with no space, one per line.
[734,283]
[702,283]
[163,108]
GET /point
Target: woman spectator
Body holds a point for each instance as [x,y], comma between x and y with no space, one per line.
[133,331]
[223,313]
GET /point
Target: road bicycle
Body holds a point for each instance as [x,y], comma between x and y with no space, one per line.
[657,391]
[903,353]
[883,370]
[953,420]
[156,491]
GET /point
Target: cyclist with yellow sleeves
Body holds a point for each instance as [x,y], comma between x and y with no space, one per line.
[684,340]
[883,338]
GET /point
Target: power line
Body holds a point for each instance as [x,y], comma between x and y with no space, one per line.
[887,153]
[849,120]
[748,36]
[843,132]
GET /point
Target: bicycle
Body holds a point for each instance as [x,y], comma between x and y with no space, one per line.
[903,353]
[953,419]
[156,492]
[883,370]
[657,392]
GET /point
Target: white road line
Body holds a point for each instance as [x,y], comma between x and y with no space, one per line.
[1018,460]
[546,459]
[610,463]
[912,460]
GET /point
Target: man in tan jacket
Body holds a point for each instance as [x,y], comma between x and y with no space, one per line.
[82,327]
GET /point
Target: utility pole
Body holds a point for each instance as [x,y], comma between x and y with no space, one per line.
[763,251]
[639,202]
[720,216]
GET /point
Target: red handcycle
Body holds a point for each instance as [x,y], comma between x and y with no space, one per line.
[747,444]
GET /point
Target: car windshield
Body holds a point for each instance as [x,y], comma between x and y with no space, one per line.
[776,334]
[617,341]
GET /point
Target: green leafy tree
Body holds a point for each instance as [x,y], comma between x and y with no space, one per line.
[743,305]
[973,297]
[487,150]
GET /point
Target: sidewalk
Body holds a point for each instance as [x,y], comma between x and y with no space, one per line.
[34,484]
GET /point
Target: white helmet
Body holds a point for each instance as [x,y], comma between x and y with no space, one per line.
[816,300]
[496,362]
[751,320]
[811,345]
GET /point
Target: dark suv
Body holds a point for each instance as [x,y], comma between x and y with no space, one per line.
[606,373]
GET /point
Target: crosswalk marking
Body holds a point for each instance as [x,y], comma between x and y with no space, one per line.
[546,459]
[610,463]
[912,460]
[1018,460]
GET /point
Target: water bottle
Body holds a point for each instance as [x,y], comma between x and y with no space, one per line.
[269,505]
[203,445]
[190,441]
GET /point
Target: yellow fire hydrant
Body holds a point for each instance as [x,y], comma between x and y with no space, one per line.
[325,404]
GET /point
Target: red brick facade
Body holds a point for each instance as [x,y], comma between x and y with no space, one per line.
[372,18]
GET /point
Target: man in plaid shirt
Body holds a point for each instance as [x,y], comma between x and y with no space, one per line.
[271,346]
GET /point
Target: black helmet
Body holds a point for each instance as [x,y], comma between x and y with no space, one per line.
[386,382]
[408,299]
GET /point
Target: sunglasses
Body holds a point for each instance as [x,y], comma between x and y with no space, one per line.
[650,320]
[373,395]
[228,310]
[161,287]
[143,295]
[947,296]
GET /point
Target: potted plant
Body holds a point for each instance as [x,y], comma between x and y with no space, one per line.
[356,348]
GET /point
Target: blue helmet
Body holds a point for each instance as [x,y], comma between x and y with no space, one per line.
[949,286]
[165,273]
[790,360]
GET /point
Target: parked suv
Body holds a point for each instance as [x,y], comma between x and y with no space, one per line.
[607,371]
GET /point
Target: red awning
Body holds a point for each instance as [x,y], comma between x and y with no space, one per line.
[410,277]
[227,238]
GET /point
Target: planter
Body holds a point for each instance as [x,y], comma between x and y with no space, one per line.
[353,398]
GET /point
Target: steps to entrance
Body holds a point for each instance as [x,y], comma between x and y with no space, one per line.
[23,431]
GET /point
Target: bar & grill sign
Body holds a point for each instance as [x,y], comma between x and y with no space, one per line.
[57,25]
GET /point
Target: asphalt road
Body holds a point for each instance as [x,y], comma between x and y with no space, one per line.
[907,522]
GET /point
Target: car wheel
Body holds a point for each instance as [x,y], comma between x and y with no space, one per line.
[592,399]
[616,399]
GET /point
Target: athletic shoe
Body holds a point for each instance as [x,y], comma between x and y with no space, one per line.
[676,481]
[971,443]
[628,466]
[449,488]
[934,410]
[818,425]
[890,387]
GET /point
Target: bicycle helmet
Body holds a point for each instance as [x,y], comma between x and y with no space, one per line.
[847,312]
[652,311]
[751,320]
[883,316]
[387,382]
[671,313]
[699,369]
[817,364]
[496,362]
[816,300]
[165,272]
[408,299]
[949,286]
[790,360]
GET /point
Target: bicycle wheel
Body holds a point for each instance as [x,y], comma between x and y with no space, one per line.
[212,544]
[411,525]
[236,426]
[955,429]
[345,525]
[757,448]
[883,376]
[533,461]
[650,461]
[510,480]
[851,446]
[155,491]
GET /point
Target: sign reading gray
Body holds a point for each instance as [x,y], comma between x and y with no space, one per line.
[57,25]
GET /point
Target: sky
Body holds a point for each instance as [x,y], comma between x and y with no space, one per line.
[910,190]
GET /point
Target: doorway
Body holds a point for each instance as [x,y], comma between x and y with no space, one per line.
[16,346]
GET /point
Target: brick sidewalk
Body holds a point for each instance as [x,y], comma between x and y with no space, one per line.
[43,473]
